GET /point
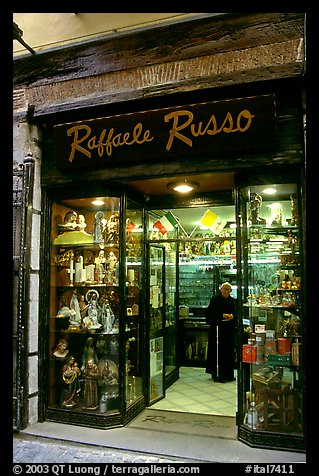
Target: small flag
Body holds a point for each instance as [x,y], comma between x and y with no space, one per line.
[167,224]
[160,227]
[208,218]
[218,226]
[171,218]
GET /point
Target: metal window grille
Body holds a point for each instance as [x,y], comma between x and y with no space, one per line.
[22,200]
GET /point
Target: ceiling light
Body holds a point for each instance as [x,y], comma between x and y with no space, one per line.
[97,202]
[183,186]
[269,191]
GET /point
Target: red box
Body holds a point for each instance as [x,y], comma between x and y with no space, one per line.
[283,345]
[249,353]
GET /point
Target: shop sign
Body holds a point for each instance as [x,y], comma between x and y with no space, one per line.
[204,128]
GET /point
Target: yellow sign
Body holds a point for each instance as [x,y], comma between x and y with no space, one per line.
[208,218]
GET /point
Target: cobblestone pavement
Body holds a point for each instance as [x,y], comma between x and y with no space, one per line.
[40,450]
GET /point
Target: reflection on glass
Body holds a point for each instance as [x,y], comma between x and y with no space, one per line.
[133,276]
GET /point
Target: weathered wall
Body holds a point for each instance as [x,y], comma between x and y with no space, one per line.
[205,53]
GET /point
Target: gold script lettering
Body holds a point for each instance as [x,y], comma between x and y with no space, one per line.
[137,136]
[248,116]
[174,132]
[76,141]
[210,129]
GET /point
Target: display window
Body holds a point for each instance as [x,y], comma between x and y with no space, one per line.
[94,308]
[272,302]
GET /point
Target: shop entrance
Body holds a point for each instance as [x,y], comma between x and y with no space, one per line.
[195,247]
[198,233]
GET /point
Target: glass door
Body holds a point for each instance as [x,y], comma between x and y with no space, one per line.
[134,325]
[156,322]
[171,349]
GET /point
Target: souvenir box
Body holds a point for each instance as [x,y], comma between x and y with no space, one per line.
[249,353]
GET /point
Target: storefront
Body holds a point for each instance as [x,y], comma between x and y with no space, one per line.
[124,270]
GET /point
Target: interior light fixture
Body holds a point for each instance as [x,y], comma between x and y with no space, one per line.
[183,186]
[97,202]
[269,191]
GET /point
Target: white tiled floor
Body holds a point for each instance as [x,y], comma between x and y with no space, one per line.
[196,392]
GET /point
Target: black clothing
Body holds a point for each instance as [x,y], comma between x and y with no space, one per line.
[221,344]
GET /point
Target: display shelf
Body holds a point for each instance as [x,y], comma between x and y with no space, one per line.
[200,276]
[272,310]
[94,305]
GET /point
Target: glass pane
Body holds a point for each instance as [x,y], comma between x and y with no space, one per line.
[171,328]
[156,322]
[84,306]
[272,330]
[133,276]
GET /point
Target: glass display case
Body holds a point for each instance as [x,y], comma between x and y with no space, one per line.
[272,310]
[94,363]
[204,264]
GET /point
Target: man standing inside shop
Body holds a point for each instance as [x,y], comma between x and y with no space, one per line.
[221,317]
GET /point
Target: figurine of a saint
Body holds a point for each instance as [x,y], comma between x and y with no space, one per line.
[101,269]
[108,317]
[255,204]
[69,222]
[98,227]
[75,319]
[91,392]
[83,306]
[112,261]
[89,353]
[93,316]
[70,377]
[101,348]
[113,225]
[81,224]
[61,350]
